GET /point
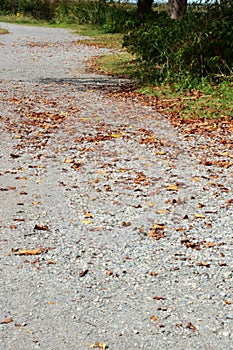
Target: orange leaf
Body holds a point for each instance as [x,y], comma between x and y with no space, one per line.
[154,318]
[159,226]
[209,244]
[172,188]
[203,263]
[7,320]
[28,251]
[98,345]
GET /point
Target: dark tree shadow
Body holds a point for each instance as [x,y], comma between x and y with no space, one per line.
[104,83]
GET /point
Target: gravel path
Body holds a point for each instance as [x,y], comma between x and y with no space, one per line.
[113,234]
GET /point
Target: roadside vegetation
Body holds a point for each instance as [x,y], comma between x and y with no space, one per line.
[187,64]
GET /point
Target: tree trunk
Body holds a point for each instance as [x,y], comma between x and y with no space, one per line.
[144,7]
[177,8]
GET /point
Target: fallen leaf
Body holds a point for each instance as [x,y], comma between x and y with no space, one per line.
[191,326]
[161,211]
[159,226]
[153,274]
[209,244]
[87,214]
[199,216]
[115,135]
[87,221]
[41,227]
[28,251]
[196,179]
[229,202]
[98,345]
[83,273]
[13,227]
[154,318]
[228,302]
[162,153]
[51,302]
[156,234]
[172,188]
[14,156]
[51,262]
[158,297]
[203,263]
[76,165]
[68,161]
[7,320]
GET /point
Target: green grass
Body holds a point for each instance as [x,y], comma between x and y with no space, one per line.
[99,37]
[23,20]
[208,101]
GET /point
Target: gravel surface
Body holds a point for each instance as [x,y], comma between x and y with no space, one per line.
[113,234]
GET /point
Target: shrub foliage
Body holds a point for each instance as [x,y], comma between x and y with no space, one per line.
[196,47]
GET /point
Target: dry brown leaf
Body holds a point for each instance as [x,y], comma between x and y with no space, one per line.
[87,214]
[158,297]
[172,188]
[100,346]
[159,226]
[51,262]
[209,244]
[153,274]
[41,227]
[191,327]
[228,302]
[7,320]
[154,318]
[203,263]
[28,251]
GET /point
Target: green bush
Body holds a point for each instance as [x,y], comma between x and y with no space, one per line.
[39,9]
[81,12]
[121,18]
[196,47]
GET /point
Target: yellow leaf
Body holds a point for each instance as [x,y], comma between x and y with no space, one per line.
[159,226]
[195,179]
[35,203]
[68,161]
[161,153]
[199,216]
[98,345]
[87,221]
[115,135]
[150,204]
[161,211]
[172,188]
[29,251]
[51,302]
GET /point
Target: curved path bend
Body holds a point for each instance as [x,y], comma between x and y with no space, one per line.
[113,234]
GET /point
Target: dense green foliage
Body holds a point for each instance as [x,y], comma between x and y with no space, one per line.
[196,47]
[114,17]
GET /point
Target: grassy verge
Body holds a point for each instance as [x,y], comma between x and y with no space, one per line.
[207,101]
